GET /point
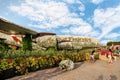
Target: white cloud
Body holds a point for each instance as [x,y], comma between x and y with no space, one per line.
[83,29]
[81,7]
[107,19]
[97,1]
[112,36]
[104,42]
[70,1]
[82,14]
[49,14]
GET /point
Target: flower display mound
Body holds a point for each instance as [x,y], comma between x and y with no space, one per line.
[66,64]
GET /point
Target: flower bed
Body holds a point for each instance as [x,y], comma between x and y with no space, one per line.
[11,67]
[20,65]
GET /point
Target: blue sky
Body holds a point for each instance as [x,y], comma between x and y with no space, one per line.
[93,18]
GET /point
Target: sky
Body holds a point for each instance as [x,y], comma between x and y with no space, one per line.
[93,18]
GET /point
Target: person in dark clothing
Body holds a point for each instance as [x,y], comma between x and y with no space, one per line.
[92,55]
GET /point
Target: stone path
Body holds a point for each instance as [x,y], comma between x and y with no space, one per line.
[100,70]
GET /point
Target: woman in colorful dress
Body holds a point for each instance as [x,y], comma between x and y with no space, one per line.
[110,61]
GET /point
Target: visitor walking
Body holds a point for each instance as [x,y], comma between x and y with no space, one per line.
[92,55]
[110,56]
[117,52]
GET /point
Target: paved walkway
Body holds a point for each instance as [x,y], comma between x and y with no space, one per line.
[100,70]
